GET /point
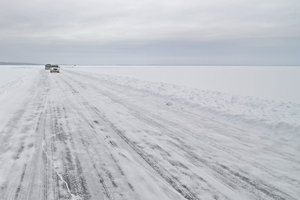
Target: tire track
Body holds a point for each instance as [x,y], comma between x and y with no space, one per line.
[71,162]
[222,173]
[179,187]
[19,184]
[86,106]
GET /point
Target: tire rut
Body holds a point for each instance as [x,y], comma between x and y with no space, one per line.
[179,187]
[223,173]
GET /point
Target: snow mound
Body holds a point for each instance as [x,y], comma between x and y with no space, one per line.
[14,76]
[11,85]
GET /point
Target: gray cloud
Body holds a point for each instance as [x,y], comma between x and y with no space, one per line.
[150,31]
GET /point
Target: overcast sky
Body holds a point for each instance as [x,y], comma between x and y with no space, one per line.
[214,32]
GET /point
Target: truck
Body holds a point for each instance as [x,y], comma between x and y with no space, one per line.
[54,68]
[48,67]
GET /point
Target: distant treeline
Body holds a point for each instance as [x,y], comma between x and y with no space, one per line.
[16,63]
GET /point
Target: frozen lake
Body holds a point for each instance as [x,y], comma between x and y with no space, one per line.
[274,83]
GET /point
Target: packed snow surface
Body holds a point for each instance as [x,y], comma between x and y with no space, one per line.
[99,132]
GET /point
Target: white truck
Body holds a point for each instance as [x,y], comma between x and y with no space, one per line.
[54,68]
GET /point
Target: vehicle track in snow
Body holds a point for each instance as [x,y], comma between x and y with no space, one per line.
[179,187]
[237,179]
[98,141]
[27,123]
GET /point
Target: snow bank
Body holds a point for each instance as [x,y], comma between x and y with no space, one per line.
[14,81]
[266,82]
[12,77]
[278,118]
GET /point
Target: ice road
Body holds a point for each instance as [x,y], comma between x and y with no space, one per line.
[76,135]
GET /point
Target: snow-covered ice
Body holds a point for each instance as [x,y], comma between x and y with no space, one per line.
[266,82]
[123,132]
[229,95]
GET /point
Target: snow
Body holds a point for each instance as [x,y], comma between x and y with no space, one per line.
[116,132]
[13,85]
[12,76]
[273,83]
[189,85]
